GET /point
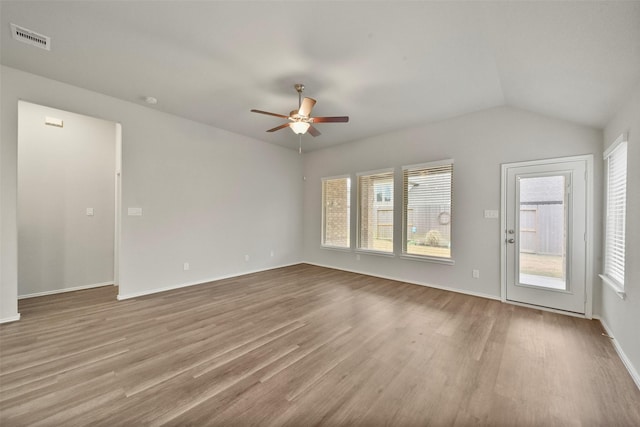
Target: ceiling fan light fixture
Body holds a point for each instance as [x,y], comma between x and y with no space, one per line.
[299,128]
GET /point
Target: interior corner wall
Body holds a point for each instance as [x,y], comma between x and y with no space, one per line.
[209,197]
[479,143]
[8,226]
[63,171]
[622,317]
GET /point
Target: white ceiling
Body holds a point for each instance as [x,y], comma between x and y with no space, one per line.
[386,64]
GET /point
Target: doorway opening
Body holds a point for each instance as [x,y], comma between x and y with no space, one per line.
[68,201]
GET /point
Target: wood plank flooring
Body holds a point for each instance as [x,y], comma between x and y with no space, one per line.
[301,346]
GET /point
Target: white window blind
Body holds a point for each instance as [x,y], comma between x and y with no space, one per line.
[336,212]
[616,204]
[426,213]
[375,211]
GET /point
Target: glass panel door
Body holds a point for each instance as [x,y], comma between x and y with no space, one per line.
[545,233]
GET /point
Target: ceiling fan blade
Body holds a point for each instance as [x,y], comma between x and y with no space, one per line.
[313,131]
[286,125]
[307,105]
[270,114]
[339,119]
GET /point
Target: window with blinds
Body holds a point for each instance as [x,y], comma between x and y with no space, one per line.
[375,211]
[616,203]
[336,212]
[426,209]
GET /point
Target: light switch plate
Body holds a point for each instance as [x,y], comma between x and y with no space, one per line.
[89,211]
[492,214]
[134,211]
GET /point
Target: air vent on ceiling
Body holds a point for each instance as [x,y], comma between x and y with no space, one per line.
[30,37]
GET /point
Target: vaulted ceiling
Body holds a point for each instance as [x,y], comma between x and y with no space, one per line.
[386,64]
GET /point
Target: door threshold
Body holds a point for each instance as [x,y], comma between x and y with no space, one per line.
[551,310]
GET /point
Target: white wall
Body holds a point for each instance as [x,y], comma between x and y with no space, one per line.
[62,171]
[478,143]
[622,318]
[209,196]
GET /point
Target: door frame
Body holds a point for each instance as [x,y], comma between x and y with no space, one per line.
[588,159]
[118,207]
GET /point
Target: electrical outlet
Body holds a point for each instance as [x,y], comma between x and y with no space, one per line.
[357,257]
[475,274]
[185,266]
[246,257]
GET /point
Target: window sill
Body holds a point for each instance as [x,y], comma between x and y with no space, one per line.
[336,248]
[613,285]
[378,253]
[435,260]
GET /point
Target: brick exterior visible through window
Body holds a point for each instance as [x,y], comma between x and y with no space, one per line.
[336,212]
[375,210]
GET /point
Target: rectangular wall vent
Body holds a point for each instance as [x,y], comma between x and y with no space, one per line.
[30,37]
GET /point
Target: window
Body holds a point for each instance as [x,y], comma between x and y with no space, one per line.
[375,211]
[426,209]
[615,206]
[383,191]
[336,212]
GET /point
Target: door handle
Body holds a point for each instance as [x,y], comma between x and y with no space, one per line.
[512,240]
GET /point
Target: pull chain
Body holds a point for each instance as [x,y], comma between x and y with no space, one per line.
[300,144]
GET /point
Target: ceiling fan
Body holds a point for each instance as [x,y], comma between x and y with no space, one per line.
[300,119]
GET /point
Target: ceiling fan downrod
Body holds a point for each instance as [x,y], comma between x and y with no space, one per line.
[299,88]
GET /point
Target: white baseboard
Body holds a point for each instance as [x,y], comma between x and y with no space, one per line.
[428,285]
[10,319]
[625,360]
[199,282]
[60,291]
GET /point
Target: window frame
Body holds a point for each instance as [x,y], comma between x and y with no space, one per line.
[404,213]
[323,214]
[612,281]
[359,175]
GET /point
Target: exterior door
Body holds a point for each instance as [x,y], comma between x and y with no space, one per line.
[545,240]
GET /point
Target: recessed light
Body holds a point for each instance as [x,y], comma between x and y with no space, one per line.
[150,100]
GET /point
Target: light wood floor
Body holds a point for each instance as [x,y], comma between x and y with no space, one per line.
[301,346]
